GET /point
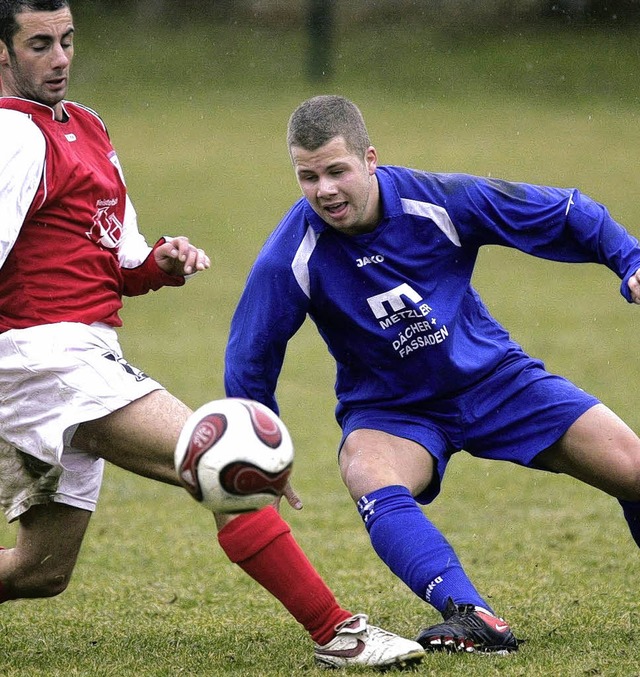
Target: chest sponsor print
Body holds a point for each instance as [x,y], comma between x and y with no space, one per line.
[403,311]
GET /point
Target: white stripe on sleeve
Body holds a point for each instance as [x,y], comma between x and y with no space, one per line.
[22,163]
[300,261]
[437,214]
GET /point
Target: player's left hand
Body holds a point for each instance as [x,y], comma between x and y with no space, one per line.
[292,498]
[634,286]
[178,256]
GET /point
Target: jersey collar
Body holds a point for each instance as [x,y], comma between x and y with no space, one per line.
[29,107]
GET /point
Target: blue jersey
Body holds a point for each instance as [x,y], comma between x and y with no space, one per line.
[396,307]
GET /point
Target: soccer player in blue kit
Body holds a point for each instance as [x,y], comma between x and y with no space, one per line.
[381,259]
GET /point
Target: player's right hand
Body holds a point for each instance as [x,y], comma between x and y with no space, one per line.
[177,256]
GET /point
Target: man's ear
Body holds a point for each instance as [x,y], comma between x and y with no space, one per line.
[4,54]
[371,160]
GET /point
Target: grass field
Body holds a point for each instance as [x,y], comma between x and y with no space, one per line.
[198,119]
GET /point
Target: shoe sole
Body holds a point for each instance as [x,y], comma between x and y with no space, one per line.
[399,663]
[451,645]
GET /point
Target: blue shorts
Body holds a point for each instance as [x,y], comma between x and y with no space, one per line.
[513,414]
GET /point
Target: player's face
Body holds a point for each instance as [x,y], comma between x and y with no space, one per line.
[340,187]
[38,68]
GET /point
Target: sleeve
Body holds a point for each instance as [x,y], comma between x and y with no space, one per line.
[21,168]
[553,223]
[140,271]
[271,309]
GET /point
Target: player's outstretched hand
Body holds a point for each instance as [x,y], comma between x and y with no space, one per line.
[178,256]
[634,286]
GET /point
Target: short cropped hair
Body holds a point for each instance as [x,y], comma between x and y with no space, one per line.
[9,8]
[318,120]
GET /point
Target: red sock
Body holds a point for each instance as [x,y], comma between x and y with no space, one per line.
[261,543]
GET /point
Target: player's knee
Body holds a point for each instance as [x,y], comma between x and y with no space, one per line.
[629,481]
[31,583]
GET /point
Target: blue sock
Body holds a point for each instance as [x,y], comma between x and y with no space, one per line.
[631,510]
[411,546]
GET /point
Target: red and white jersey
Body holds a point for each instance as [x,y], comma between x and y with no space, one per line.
[69,241]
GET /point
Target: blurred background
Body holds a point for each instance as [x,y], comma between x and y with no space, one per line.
[327,23]
[444,13]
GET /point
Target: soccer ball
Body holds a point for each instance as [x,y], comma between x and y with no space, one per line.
[234,455]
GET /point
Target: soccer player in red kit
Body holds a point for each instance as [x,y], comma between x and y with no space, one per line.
[70,249]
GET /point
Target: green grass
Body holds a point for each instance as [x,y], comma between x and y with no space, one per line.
[198,117]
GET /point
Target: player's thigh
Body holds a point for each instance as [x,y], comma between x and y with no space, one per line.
[47,544]
[140,437]
[372,459]
[601,450]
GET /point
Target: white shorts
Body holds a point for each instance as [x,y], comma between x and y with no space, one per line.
[52,378]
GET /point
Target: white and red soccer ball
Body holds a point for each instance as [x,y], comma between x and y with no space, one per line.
[234,455]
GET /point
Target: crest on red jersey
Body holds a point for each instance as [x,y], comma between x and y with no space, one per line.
[106,229]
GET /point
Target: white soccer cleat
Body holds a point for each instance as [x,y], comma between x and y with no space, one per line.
[358,643]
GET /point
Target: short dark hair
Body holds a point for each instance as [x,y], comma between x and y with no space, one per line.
[318,120]
[9,8]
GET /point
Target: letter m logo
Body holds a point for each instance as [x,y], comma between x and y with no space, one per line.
[392,298]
